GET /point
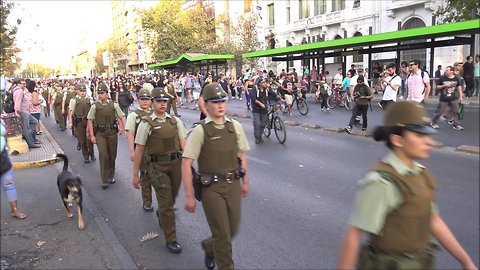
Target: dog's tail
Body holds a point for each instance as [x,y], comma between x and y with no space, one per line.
[65,161]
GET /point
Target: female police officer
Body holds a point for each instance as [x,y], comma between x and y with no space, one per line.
[394,203]
[163,136]
[217,143]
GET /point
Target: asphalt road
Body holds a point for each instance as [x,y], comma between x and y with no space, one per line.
[294,217]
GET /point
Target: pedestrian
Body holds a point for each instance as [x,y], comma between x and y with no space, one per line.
[313,78]
[77,116]
[468,76]
[390,86]
[353,83]
[450,96]
[361,95]
[477,74]
[394,203]
[287,89]
[163,136]
[56,104]
[124,98]
[6,176]
[172,97]
[22,111]
[105,120]
[260,103]
[33,98]
[133,121]
[45,91]
[438,74]
[417,84]
[218,144]
[248,88]
[71,93]
[323,89]
[403,73]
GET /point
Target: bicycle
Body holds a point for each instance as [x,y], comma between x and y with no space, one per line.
[336,98]
[302,105]
[274,121]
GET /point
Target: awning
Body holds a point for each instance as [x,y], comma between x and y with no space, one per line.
[429,32]
[191,58]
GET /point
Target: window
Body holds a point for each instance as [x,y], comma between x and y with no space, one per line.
[359,57]
[288,12]
[337,59]
[356,3]
[319,7]
[338,5]
[271,15]
[418,54]
[303,11]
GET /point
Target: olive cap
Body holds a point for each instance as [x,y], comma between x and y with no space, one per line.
[144,93]
[159,94]
[102,87]
[80,86]
[408,114]
[214,92]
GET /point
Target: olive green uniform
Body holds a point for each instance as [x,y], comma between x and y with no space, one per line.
[133,121]
[162,136]
[172,102]
[215,147]
[45,92]
[60,117]
[394,205]
[70,94]
[104,115]
[80,106]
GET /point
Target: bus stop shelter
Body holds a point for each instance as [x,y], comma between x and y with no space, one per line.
[460,33]
[195,62]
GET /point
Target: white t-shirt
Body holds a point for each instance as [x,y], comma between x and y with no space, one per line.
[416,86]
[338,78]
[389,93]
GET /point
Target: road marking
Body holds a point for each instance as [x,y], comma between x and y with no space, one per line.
[258,160]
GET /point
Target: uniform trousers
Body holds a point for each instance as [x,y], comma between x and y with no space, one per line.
[146,189]
[166,194]
[85,145]
[172,103]
[59,116]
[107,142]
[221,204]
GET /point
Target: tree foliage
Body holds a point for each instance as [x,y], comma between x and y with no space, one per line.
[8,50]
[36,70]
[173,31]
[458,10]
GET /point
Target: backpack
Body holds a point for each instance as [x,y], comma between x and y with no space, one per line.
[9,103]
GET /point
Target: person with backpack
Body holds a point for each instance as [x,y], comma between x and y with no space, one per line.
[418,83]
[362,94]
[390,86]
[22,111]
[395,202]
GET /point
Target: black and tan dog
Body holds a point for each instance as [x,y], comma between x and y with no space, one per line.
[70,188]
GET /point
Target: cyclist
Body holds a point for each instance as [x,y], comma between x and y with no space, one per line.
[261,97]
[288,88]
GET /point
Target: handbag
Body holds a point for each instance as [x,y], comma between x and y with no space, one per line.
[5,164]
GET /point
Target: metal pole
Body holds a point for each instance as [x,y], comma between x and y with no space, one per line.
[369,57]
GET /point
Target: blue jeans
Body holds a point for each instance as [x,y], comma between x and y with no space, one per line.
[8,184]
[259,123]
[28,123]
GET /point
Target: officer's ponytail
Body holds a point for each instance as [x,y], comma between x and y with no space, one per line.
[383,134]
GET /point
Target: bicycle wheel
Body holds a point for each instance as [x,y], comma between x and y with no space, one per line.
[267,129]
[348,102]
[302,106]
[280,131]
[332,101]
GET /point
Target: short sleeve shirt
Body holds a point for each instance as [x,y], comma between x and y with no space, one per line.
[376,197]
[144,129]
[196,137]
[132,121]
[73,102]
[91,113]
[449,93]
[416,85]
[389,93]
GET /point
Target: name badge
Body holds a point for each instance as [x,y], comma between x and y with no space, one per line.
[215,138]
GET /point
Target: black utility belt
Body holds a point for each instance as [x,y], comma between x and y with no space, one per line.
[106,127]
[78,119]
[165,158]
[208,178]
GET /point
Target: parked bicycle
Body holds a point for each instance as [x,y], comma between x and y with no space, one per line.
[338,97]
[302,105]
[276,123]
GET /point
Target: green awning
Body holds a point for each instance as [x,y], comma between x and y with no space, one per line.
[191,57]
[443,30]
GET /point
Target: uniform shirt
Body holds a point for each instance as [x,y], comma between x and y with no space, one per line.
[66,93]
[55,93]
[376,197]
[91,113]
[389,93]
[416,86]
[132,121]
[196,138]
[73,102]
[144,129]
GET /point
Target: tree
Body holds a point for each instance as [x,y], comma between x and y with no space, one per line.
[8,50]
[458,10]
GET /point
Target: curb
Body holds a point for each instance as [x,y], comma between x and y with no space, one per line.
[334,129]
[468,149]
[312,126]
[291,123]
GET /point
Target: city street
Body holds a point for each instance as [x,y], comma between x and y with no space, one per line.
[301,194]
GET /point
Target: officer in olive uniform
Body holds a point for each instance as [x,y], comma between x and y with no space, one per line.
[71,93]
[394,203]
[172,97]
[164,137]
[219,145]
[46,94]
[57,99]
[133,120]
[105,120]
[77,117]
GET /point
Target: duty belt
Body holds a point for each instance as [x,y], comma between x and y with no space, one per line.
[106,127]
[219,177]
[165,158]
[78,119]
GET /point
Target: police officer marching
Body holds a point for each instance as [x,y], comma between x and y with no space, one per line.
[395,206]
[57,99]
[105,120]
[164,137]
[69,95]
[77,117]
[219,145]
[133,121]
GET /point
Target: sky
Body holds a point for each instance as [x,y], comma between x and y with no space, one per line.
[51,31]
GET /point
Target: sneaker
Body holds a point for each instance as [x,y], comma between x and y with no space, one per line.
[380,105]
[322,109]
[364,129]
[112,181]
[348,129]
[257,141]
[291,114]
[104,185]
[457,127]
[147,207]
[328,109]
[435,126]
[451,122]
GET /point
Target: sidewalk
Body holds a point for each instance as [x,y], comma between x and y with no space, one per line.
[47,239]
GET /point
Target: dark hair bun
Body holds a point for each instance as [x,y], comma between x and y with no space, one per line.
[380,134]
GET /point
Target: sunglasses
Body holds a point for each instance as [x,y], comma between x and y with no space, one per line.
[412,64]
